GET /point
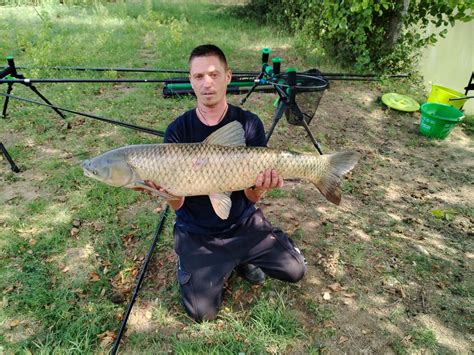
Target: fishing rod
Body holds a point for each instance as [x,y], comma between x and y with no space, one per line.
[73,80]
[10,76]
[140,281]
[58,109]
[132,70]
[99,118]
[339,76]
[243,80]
[11,73]
[307,81]
[172,86]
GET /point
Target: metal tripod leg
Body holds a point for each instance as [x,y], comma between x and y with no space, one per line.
[282,107]
[144,268]
[5,105]
[315,142]
[9,158]
[35,90]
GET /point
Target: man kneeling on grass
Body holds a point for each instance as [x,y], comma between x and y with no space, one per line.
[208,247]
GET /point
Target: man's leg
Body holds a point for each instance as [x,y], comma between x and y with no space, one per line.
[251,273]
[272,250]
[203,268]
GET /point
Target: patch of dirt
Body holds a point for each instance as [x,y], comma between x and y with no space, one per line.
[18,330]
[22,186]
[384,241]
[163,270]
[77,263]
[391,260]
[449,339]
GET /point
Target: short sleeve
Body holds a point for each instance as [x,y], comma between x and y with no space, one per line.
[255,132]
[173,133]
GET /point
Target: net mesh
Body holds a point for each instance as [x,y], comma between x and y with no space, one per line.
[309,91]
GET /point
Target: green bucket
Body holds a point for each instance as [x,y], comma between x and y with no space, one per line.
[438,120]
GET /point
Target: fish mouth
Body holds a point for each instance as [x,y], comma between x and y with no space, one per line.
[85,165]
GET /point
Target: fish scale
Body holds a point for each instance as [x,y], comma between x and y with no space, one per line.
[222,163]
[200,169]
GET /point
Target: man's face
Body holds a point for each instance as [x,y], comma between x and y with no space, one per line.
[209,79]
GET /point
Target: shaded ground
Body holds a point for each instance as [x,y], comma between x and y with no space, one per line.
[386,269]
[390,269]
[397,254]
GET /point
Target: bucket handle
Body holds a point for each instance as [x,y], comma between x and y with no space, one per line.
[462,98]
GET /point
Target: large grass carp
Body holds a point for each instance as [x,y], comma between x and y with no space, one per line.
[215,167]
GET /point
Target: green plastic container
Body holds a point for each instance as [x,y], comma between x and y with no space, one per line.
[438,120]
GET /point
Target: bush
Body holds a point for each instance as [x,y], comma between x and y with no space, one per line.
[384,35]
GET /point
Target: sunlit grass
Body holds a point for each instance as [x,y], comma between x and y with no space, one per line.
[52,242]
[68,243]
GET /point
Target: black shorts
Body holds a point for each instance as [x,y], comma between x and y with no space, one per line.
[206,261]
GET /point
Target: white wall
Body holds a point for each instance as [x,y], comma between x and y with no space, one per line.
[450,61]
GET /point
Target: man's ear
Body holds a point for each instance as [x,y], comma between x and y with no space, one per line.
[190,81]
[229,76]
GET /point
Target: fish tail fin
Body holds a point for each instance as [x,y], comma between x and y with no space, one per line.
[337,164]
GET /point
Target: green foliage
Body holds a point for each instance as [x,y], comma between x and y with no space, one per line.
[382,35]
[50,303]
[424,338]
[321,313]
[443,214]
[270,327]
[277,193]
[468,124]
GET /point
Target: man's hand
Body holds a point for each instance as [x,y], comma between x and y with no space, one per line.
[175,204]
[266,180]
[269,179]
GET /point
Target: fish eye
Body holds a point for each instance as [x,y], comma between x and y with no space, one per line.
[94,172]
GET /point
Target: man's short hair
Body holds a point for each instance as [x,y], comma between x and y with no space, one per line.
[206,50]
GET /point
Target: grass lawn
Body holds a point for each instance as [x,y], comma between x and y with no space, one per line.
[390,270]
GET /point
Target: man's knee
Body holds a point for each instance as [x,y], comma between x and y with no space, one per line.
[200,311]
[296,271]
[297,267]
[201,304]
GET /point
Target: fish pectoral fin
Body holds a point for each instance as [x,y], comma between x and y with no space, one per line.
[221,203]
[231,135]
[155,192]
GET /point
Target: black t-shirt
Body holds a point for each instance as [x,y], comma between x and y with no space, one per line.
[197,215]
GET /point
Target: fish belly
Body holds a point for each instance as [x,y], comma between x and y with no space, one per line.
[198,169]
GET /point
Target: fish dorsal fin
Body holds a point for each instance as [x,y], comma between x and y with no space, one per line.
[221,203]
[231,135]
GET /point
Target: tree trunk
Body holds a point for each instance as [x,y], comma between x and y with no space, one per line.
[396,23]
